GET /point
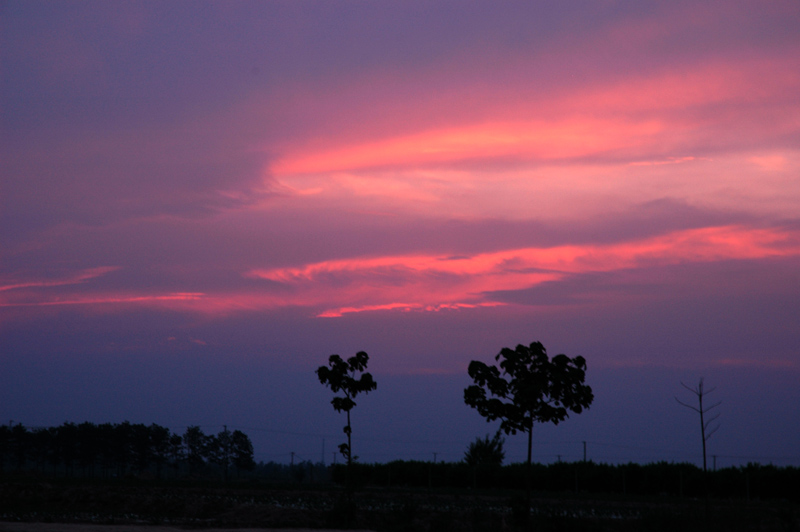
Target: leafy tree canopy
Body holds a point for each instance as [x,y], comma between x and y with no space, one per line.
[527,387]
[341,375]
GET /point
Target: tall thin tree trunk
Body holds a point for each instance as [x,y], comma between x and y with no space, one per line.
[703,432]
[528,474]
[349,454]
[705,463]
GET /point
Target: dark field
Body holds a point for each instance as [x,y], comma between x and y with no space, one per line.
[24,502]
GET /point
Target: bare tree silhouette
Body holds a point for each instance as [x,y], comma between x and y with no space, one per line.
[706,430]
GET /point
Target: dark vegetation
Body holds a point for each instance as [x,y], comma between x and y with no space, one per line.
[397,496]
[486,451]
[129,473]
[124,449]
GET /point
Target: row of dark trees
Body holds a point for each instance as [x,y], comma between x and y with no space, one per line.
[117,450]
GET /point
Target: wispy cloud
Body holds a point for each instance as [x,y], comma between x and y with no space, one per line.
[636,118]
[418,282]
[406,307]
[432,282]
[106,299]
[535,140]
[76,278]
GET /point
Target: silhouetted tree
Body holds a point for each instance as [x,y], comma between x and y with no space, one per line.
[88,447]
[706,430]
[19,445]
[5,444]
[486,451]
[124,447]
[176,451]
[121,444]
[242,450]
[213,450]
[48,440]
[66,440]
[141,447]
[195,442]
[349,378]
[39,448]
[159,446]
[219,450]
[106,434]
[528,388]
[225,451]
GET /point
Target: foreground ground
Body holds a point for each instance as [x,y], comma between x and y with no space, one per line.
[37,506]
[72,527]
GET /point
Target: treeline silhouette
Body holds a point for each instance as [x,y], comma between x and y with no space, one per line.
[122,449]
[751,482]
[127,450]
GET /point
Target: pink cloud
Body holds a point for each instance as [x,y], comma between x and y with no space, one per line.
[77,278]
[563,137]
[103,299]
[405,307]
[430,282]
[416,282]
[561,149]
[638,116]
[527,140]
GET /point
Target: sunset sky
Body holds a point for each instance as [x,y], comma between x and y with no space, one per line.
[201,201]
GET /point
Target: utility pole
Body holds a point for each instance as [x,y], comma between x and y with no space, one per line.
[430,472]
[584,451]
[292,458]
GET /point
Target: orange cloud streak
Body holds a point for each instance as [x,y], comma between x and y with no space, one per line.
[429,283]
[649,114]
[528,140]
[710,243]
[339,312]
[422,281]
